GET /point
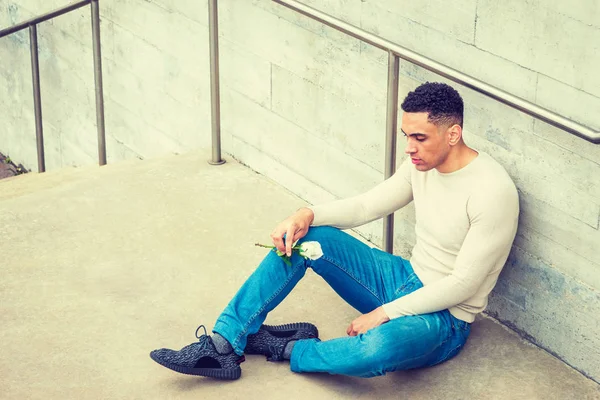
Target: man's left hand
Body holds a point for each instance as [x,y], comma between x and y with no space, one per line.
[367,321]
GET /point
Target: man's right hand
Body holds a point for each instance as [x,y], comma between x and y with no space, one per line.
[294,228]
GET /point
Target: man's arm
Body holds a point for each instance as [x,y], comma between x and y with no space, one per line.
[383,199]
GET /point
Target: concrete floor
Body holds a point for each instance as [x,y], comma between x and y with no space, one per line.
[102,265]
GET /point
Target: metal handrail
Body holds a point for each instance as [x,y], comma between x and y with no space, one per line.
[35,71]
[518,103]
[215,97]
[395,52]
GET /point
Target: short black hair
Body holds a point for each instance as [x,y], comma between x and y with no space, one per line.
[442,102]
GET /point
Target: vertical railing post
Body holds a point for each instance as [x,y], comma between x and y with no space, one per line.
[98,82]
[390,141]
[215,100]
[37,97]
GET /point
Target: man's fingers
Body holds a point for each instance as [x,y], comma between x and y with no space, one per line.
[278,242]
[351,330]
[289,239]
[277,237]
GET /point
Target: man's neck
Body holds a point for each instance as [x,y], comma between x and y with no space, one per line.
[459,157]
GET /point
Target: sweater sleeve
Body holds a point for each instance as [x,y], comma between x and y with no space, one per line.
[383,199]
[494,219]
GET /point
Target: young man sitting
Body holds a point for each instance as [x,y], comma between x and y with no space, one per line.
[415,313]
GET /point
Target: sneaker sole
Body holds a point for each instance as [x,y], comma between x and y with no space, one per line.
[218,373]
[306,326]
[294,326]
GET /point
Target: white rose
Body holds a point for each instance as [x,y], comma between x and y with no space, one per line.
[311,250]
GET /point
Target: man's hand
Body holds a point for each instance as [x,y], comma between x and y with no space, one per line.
[367,321]
[293,227]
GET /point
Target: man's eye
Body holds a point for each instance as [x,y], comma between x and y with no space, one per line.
[420,139]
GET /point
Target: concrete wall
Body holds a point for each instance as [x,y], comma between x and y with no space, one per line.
[305,105]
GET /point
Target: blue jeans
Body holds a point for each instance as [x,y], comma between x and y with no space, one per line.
[366,278]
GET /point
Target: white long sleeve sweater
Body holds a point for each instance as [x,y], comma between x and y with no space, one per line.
[466,222]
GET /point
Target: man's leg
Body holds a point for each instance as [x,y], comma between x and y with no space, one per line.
[363,276]
[270,283]
[400,344]
[366,278]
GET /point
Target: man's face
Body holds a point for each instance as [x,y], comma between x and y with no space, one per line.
[426,143]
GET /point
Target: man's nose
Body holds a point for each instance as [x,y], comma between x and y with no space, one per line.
[410,148]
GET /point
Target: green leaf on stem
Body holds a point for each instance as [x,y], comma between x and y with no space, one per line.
[286,260]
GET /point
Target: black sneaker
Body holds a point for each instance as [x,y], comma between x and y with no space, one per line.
[200,358]
[271,340]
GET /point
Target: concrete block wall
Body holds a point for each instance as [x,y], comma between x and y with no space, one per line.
[305,105]
[155,96]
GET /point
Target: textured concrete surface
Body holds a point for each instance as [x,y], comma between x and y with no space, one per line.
[102,265]
[305,105]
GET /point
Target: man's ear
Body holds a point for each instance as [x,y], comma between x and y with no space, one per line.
[455,134]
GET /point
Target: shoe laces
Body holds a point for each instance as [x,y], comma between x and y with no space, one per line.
[203,339]
[276,353]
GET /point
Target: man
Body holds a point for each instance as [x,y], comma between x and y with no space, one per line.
[414,314]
